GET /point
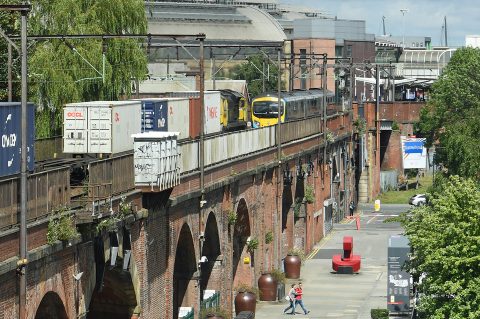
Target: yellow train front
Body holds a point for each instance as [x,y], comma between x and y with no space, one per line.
[295,105]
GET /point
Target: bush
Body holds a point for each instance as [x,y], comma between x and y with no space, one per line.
[252,244]
[268,237]
[309,194]
[216,311]
[246,288]
[379,313]
[278,275]
[62,228]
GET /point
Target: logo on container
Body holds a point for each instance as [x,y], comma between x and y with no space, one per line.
[212,112]
[9,140]
[74,114]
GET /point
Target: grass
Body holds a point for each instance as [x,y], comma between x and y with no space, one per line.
[402,196]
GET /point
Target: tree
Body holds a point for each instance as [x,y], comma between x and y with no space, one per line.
[451,118]
[63,71]
[251,71]
[9,25]
[445,240]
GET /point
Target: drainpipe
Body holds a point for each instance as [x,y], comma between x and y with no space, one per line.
[201,162]
[278,224]
[377,119]
[23,175]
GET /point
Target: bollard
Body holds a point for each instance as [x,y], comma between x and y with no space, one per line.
[357,221]
[377,205]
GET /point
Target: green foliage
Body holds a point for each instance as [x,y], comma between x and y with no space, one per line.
[251,72]
[211,312]
[379,313]
[297,206]
[268,237]
[10,25]
[61,227]
[278,275]
[124,208]
[309,194]
[231,217]
[59,74]
[451,115]
[244,288]
[108,224]
[395,126]
[445,240]
[360,125]
[252,244]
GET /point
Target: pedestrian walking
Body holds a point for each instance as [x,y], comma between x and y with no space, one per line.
[351,207]
[298,298]
[291,297]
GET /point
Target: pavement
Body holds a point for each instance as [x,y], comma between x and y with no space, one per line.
[330,295]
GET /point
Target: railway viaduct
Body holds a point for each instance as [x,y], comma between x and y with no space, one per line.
[144,254]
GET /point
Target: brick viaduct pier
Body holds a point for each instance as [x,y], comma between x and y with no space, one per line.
[161,237]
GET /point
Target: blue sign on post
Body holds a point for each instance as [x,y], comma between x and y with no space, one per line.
[415,147]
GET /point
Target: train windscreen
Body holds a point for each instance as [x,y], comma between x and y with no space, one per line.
[265,109]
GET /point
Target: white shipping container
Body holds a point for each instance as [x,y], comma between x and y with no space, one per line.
[156,160]
[101,127]
[179,116]
[212,102]
[472,41]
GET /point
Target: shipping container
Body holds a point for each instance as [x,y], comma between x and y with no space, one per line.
[170,114]
[154,115]
[100,127]
[194,117]
[157,162]
[11,135]
[212,104]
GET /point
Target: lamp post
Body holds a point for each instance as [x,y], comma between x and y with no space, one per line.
[403,11]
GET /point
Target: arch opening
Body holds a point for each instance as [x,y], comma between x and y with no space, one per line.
[210,249]
[241,232]
[51,307]
[184,270]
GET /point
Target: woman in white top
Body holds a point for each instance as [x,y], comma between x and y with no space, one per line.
[291,296]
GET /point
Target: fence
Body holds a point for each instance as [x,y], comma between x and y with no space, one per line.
[212,301]
[388,180]
[46,191]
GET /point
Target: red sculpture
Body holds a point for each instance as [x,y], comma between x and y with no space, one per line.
[348,263]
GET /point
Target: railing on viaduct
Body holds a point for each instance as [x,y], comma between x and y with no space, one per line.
[49,190]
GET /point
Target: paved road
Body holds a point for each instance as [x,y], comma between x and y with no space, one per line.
[328,295]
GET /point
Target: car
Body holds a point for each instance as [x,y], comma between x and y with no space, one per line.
[418,200]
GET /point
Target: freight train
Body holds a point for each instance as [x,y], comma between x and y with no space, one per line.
[102,127]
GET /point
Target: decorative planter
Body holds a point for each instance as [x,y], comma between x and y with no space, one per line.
[292,265]
[268,287]
[245,301]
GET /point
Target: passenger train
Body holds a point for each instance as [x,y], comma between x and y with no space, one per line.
[295,105]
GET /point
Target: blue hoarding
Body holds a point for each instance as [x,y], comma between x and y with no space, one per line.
[11,138]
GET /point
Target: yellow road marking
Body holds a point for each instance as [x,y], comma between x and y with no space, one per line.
[324,241]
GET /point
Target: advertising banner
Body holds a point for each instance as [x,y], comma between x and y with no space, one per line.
[414,153]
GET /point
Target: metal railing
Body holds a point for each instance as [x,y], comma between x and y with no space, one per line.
[211,302]
[47,191]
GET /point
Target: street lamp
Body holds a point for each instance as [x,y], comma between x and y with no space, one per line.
[403,11]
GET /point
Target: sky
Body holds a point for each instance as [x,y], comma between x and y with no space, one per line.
[424,17]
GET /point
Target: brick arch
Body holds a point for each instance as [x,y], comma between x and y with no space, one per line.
[49,276]
[185,266]
[211,249]
[51,307]
[241,272]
